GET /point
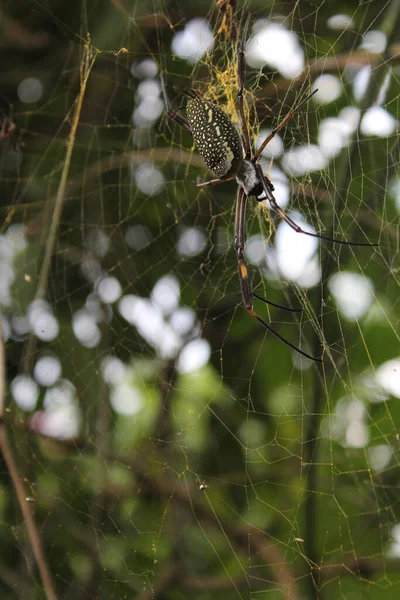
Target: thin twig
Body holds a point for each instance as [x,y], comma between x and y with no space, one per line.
[27,513]
[87,65]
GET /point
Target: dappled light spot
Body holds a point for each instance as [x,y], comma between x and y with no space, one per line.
[109,289]
[276,46]
[126,399]
[61,416]
[252,433]
[149,179]
[25,392]
[113,369]
[380,456]
[149,104]
[98,242]
[30,90]
[388,376]
[166,294]
[394,190]
[194,41]
[394,546]
[138,237]
[303,159]
[333,135]
[353,293]
[191,241]
[348,425]
[144,68]
[274,148]
[329,88]
[374,41]
[91,269]
[42,321]
[47,370]
[149,321]
[360,81]
[255,250]
[183,320]
[295,250]
[194,356]
[340,22]
[85,328]
[45,327]
[378,121]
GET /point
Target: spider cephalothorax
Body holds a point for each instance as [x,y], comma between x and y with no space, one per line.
[226,155]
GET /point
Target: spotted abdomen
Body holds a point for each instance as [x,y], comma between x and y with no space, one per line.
[216,138]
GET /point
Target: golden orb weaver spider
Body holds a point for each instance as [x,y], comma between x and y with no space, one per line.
[228,157]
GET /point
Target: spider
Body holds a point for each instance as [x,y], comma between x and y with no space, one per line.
[7,126]
[228,157]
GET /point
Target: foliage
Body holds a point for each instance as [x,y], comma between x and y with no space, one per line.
[259,474]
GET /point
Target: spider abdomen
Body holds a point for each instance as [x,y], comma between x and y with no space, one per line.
[216,138]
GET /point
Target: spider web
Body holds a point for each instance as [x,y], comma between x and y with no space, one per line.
[158,440]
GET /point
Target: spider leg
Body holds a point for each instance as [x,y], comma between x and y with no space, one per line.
[172,114]
[240,74]
[193,94]
[213,182]
[239,243]
[276,305]
[275,206]
[289,116]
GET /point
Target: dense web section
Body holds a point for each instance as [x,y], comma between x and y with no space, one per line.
[157,442]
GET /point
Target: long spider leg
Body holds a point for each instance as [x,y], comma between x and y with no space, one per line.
[240,243]
[275,206]
[276,305]
[240,233]
[172,114]
[240,74]
[273,133]
[189,93]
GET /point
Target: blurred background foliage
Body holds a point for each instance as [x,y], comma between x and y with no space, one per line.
[156,442]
